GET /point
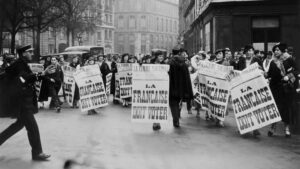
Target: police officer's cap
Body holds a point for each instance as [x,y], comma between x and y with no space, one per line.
[23,49]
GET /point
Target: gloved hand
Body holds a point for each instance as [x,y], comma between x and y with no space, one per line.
[286,78]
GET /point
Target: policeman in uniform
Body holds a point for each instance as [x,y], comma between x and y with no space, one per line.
[26,102]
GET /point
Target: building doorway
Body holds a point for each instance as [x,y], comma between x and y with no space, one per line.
[265,32]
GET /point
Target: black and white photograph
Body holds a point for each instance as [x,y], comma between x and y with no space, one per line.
[149,84]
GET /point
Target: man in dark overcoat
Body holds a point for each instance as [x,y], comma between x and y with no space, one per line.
[25,102]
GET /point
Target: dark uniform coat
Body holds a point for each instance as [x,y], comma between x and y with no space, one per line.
[17,89]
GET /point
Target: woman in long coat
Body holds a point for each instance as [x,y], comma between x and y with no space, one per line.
[76,65]
[283,83]
[55,81]
[125,59]
[180,84]
[114,70]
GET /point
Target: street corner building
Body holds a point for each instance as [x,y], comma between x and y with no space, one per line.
[214,24]
[209,25]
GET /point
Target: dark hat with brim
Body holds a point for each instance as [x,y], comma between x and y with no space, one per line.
[226,49]
[282,47]
[218,51]
[247,48]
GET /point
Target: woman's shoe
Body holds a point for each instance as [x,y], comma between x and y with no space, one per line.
[256,133]
[221,124]
[176,124]
[41,157]
[156,126]
[207,117]
[198,115]
[115,101]
[270,133]
[288,134]
[58,109]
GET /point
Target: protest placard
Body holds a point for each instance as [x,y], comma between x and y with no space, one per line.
[108,83]
[69,84]
[253,102]
[117,87]
[125,79]
[194,81]
[91,88]
[213,88]
[150,94]
[37,68]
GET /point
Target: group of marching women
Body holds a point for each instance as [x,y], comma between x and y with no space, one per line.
[278,67]
[50,88]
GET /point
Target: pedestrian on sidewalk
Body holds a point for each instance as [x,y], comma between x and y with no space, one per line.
[25,101]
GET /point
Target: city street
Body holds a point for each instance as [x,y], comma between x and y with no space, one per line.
[109,140]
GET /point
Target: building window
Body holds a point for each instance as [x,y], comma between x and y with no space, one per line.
[110,35]
[151,39]
[144,38]
[131,38]
[131,49]
[167,25]
[162,25]
[62,35]
[265,32]
[200,39]
[157,24]
[120,38]
[121,22]
[51,48]
[132,22]
[143,21]
[106,18]
[106,35]
[139,5]
[143,49]
[170,25]
[207,37]
[110,19]
[99,36]
[121,49]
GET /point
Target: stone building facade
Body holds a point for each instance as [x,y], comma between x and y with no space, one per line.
[143,25]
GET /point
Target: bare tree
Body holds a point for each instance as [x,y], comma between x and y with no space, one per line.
[2,20]
[79,16]
[40,15]
[13,11]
